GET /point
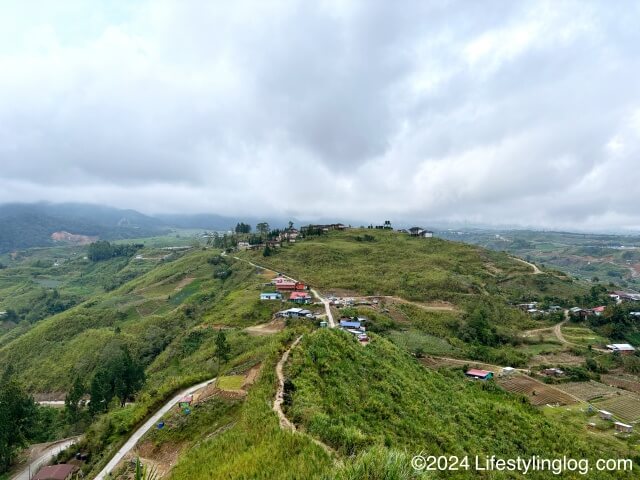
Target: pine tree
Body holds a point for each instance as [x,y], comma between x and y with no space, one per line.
[223,349]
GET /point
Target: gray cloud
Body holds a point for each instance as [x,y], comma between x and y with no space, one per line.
[519,112]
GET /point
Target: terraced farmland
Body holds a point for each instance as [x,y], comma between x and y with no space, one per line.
[625,406]
[537,392]
[622,382]
[588,391]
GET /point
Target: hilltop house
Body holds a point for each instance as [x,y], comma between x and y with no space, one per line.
[622,348]
[477,374]
[271,296]
[300,297]
[420,232]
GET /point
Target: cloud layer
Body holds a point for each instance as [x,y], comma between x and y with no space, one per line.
[508,113]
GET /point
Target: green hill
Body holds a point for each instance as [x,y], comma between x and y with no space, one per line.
[353,398]
[378,262]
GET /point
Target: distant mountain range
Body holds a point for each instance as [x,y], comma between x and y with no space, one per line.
[27,225]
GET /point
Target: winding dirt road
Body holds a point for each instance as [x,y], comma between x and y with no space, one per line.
[536,270]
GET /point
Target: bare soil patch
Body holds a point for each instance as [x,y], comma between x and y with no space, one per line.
[274,326]
[183,283]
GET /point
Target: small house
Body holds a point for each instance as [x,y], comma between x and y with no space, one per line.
[606,415]
[553,372]
[622,427]
[323,324]
[62,471]
[507,371]
[346,324]
[243,245]
[300,297]
[622,348]
[579,312]
[185,401]
[271,296]
[477,374]
[598,311]
[295,313]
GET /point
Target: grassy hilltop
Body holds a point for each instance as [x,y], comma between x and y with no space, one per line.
[378,262]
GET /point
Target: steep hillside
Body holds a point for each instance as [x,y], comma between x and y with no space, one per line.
[353,398]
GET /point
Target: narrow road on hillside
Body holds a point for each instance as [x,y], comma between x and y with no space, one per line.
[327,308]
[44,458]
[536,270]
[138,434]
[285,423]
[428,308]
[279,400]
[325,302]
[557,331]
[459,361]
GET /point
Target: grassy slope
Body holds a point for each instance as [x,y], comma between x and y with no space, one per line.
[353,397]
[414,268]
[152,318]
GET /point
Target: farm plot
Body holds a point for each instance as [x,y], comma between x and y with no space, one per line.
[587,391]
[560,358]
[582,336]
[621,381]
[625,406]
[537,392]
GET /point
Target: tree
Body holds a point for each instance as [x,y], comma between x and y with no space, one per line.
[72,400]
[267,251]
[17,414]
[290,226]
[223,349]
[263,229]
[121,376]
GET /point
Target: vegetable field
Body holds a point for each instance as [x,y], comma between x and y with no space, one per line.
[537,392]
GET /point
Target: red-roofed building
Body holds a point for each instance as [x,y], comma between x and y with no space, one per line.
[283,283]
[300,297]
[479,374]
[598,311]
[62,471]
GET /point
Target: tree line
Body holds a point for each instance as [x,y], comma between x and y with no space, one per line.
[104,250]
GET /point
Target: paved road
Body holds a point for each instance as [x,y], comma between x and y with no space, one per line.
[45,457]
[138,434]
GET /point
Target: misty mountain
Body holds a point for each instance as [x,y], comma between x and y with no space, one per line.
[31,225]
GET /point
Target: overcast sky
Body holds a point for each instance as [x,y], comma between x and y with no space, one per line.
[496,112]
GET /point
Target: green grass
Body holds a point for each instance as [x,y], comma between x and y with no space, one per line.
[230,382]
[416,269]
[354,398]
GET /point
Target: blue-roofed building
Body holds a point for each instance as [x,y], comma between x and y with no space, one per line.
[349,324]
